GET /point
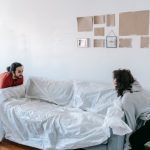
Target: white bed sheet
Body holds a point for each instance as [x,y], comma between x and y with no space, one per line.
[48,126]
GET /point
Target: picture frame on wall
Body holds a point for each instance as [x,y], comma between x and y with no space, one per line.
[83,42]
[111,41]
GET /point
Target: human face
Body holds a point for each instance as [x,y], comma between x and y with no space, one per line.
[114,82]
[18,73]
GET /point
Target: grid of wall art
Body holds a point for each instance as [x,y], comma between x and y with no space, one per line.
[122,30]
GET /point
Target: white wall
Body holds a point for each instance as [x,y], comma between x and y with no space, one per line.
[42,35]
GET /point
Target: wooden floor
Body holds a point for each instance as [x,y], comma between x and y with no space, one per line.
[8,145]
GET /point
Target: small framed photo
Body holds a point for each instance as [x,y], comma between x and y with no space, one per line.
[84,42]
[111,41]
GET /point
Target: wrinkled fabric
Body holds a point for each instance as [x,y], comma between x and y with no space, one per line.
[48,126]
[114,121]
[58,92]
[16,92]
[57,127]
[88,94]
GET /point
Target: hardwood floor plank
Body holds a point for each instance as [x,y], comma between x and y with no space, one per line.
[8,145]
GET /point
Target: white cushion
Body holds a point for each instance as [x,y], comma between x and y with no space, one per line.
[15,92]
[88,94]
[58,92]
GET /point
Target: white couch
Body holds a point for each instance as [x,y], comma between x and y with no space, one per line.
[59,115]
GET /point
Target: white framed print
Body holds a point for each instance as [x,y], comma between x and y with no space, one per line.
[83,42]
[111,41]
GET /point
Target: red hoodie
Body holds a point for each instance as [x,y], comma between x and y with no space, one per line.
[6,80]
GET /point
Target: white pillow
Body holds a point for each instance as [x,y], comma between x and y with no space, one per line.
[12,92]
[58,92]
[88,94]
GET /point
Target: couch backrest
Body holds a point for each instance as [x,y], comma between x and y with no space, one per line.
[58,92]
[93,96]
[80,94]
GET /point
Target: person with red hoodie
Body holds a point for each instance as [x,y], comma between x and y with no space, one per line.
[13,76]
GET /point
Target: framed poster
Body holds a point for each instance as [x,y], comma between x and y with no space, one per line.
[111,41]
[84,42]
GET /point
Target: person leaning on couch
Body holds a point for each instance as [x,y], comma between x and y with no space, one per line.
[136,106]
[13,76]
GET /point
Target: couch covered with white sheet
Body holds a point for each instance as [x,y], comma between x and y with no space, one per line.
[58,115]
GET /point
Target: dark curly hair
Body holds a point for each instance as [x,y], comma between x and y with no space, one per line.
[13,66]
[124,81]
